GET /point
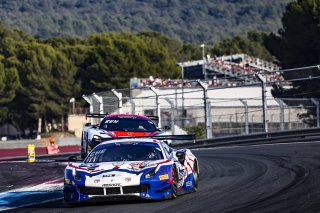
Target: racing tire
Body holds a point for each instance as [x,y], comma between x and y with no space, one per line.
[175,180]
[83,154]
[85,145]
[195,176]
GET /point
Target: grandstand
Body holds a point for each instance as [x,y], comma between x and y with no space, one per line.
[237,69]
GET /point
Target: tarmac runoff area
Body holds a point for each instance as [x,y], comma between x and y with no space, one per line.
[24,184]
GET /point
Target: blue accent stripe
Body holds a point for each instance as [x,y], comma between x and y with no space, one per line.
[18,199]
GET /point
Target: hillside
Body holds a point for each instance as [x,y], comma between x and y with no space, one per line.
[186,20]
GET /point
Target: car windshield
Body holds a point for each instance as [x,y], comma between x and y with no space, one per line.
[128,125]
[125,152]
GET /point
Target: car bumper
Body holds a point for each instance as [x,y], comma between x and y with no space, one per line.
[155,190]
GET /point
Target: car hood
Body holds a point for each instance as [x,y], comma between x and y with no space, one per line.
[125,166]
[114,174]
[129,134]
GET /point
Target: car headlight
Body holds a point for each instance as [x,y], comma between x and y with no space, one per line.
[76,174]
[152,172]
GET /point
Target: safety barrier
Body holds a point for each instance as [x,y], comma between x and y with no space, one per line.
[301,135]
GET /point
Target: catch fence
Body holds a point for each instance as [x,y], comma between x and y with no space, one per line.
[209,112]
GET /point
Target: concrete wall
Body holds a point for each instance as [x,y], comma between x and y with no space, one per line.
[39,143]
[76,123]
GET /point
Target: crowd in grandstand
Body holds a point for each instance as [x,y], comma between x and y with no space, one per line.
[236,69]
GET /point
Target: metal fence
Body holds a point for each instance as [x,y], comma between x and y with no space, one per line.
[209,112]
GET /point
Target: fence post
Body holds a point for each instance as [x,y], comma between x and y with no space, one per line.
[87,99]
[172,121]
[182,106]
[205,101]
[100,101]
[156,92]
[133,106]
[209,120]
[230,124]
[219,123]
[316,102]
[280,102]
[264,101]
[246,115]
[119,96]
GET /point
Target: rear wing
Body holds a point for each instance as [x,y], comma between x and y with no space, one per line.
[95,115]
[154,118]
[160,137]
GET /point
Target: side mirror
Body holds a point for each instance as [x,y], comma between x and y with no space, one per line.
[167,127]
[96,140]
[72,158]
[181,156]
[88,124]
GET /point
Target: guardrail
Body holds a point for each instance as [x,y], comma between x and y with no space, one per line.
[300,135]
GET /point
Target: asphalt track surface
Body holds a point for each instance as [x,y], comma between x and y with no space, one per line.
[259,178]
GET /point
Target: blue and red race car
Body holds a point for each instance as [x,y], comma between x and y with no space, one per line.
[115,126]
[132,167]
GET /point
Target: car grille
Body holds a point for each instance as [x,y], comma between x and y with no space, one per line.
[131,189]
[135,189]
[113,190]
[91,191]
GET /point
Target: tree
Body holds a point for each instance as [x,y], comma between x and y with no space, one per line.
[47,79]
[9,82]
[253,45]
[298,45]
[113,58]
[298,42]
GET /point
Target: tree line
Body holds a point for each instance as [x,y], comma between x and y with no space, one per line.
[185,20]
[39,76]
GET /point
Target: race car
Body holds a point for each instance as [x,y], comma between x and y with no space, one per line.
[117,125]
[132,167]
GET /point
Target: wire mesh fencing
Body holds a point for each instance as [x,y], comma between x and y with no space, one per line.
[225,111]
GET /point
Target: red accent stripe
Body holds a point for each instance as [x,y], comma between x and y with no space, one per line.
[166,161]
[190,166]
[190,158]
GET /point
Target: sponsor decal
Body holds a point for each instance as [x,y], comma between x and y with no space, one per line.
[164,177]
[136,166]
[96,181]
[128,179]
[188,183]
[182,173]
[109,175]
[111,121]
[111,185]
[118,163]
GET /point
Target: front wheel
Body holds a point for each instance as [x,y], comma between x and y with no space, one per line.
[175,180]
[195,176]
